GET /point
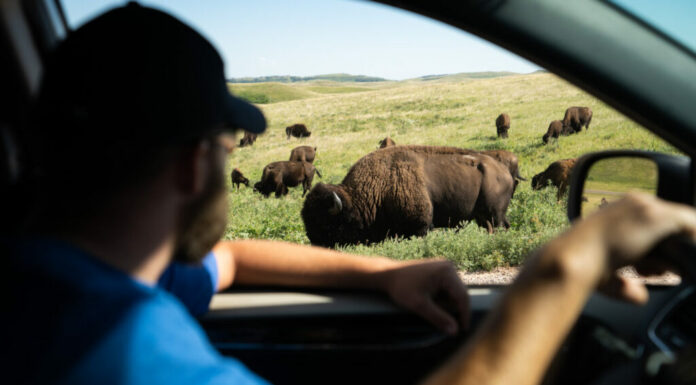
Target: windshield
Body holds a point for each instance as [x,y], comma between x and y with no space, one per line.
[674,18]
[353,73]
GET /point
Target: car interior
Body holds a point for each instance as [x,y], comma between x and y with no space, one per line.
[344,336]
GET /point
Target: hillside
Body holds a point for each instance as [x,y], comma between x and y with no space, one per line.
[293,79]
[464,76]
[346,126]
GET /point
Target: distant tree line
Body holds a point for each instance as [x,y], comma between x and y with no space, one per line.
[293,79]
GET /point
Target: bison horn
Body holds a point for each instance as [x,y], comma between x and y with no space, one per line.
[337,205]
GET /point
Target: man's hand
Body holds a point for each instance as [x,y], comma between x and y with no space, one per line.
[622,234]
[429,288]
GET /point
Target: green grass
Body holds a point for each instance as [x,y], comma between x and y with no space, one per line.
[337,89]
[269,92]
[346,126]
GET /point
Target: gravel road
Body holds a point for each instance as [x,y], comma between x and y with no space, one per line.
[505,276]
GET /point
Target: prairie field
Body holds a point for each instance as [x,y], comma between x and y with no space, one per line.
[348,119]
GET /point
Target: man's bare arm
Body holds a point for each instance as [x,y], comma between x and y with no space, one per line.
[412,284]
[518,339]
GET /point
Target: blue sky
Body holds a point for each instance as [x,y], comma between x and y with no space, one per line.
[312,37]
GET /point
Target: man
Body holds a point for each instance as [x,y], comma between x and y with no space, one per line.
[128,143]
[128,129]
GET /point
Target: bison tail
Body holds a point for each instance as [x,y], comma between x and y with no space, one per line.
[318,173]
[518,176]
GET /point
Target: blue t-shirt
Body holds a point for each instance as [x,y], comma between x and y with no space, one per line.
[71,319]
[193,285]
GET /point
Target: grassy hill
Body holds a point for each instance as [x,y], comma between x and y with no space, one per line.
[292,79]
[465,76]
[265,93]
[346,126]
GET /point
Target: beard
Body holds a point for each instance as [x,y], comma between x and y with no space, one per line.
[203,221]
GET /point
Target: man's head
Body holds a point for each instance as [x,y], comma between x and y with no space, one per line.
[124,97]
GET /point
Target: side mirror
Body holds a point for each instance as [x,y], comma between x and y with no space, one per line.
[602,177]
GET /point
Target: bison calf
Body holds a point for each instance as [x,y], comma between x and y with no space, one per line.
[502,124]
[557,173]
[405,191]
[278,176]
[577,117]
[239,178]
[556,129]
[303,154]
[386,142]
[297,130]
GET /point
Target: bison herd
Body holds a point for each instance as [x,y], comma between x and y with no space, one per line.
[407,190]
[574,119]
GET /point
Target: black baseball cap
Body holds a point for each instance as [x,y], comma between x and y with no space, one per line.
[136,74]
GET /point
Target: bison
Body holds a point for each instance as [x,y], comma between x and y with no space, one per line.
[577,117]
[556,129]
[239,178]
[558,173]
[278,176]
[386,142]
[405,191]
[297,130]
[303,154]
[502,124]
[248,139]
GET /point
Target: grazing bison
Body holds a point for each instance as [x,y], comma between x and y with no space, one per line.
[303,154]
[558,173]
[278,176]
[405,191]
[386,142]
[239,178]
[577,117]
[556,129]
[297,130]
[502,124]
[248,139]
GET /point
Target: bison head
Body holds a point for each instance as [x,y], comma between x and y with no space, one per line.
[330,217]
[260,188]
[545,138]
[539,181]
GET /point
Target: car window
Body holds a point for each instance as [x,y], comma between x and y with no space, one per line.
[674,18]
[354,73]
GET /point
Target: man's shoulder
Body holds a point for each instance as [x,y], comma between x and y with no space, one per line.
[74,320]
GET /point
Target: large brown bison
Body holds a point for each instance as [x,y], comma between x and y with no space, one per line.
[303,154]
[502,125]
[405,191]
[278,176]
[557,173]
[386,142]
[577,117]
[556,129]
[248,139]
[239,178]
[297,130]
